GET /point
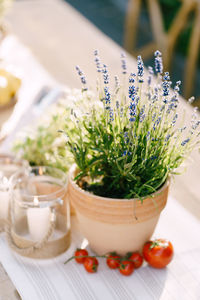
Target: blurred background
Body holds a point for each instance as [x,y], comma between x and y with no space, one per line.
[174,25]
[139,26]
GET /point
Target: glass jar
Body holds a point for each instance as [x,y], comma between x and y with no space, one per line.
[40,212]
[8,166]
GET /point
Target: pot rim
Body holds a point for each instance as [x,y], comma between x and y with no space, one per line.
[77,187]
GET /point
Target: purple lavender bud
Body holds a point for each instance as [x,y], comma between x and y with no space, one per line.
[158,62]
[185,142]
[148,135]
[154,116]
[82,77]
[117,104]
[126,139]
[174,119]
[142,114]
[131,80]
[123,61]
[155,98]
[195,125]
[167,138]
[182,129]
[124,153]
[121,112]
[150,69]
[107,98]
[166,84]
[132,89]
[153,157]
[132,111]
[157,122]
[140,69]
[162,108]
[105,74]
[111,115]
[116,81]
[97,61]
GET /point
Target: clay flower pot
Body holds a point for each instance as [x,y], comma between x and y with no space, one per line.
[120,225]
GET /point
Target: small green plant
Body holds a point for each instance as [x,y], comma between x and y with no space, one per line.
[43,145]
[132,139]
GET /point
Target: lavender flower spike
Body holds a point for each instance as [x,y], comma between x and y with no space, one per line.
[123,61]
[82,77]
[174,120]
[166,85]
[185,142]
[111,115]
[140,69]
[132,111]
[158,62]
[142,113]
[97,61]
[132,89]
[177,86]
[116,81]
[173,104]
[107,98]
[105,74]
[150,69]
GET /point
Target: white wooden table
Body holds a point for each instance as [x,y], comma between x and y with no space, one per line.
[61,38]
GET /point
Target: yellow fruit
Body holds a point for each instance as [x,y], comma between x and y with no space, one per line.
[9,85]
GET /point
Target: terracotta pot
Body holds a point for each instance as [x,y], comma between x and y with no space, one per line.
[120,225]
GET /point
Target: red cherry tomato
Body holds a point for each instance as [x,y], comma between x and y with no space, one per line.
[126,267]
[113,260]
[158,253]
[80,252]
[91,264]
[137,259]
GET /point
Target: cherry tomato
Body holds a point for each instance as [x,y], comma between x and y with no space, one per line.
[80,252]
[158,253]
[113,260]
[137,259]
[126,267]
[91,264]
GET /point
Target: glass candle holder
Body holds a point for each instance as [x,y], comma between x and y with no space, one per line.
[40,212]
[8,166]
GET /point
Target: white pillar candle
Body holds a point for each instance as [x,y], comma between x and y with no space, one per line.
[38,221]
[4,203]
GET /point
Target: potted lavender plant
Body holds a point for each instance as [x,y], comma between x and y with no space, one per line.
[125,150]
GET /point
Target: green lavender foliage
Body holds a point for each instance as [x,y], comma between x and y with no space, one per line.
[128,143]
